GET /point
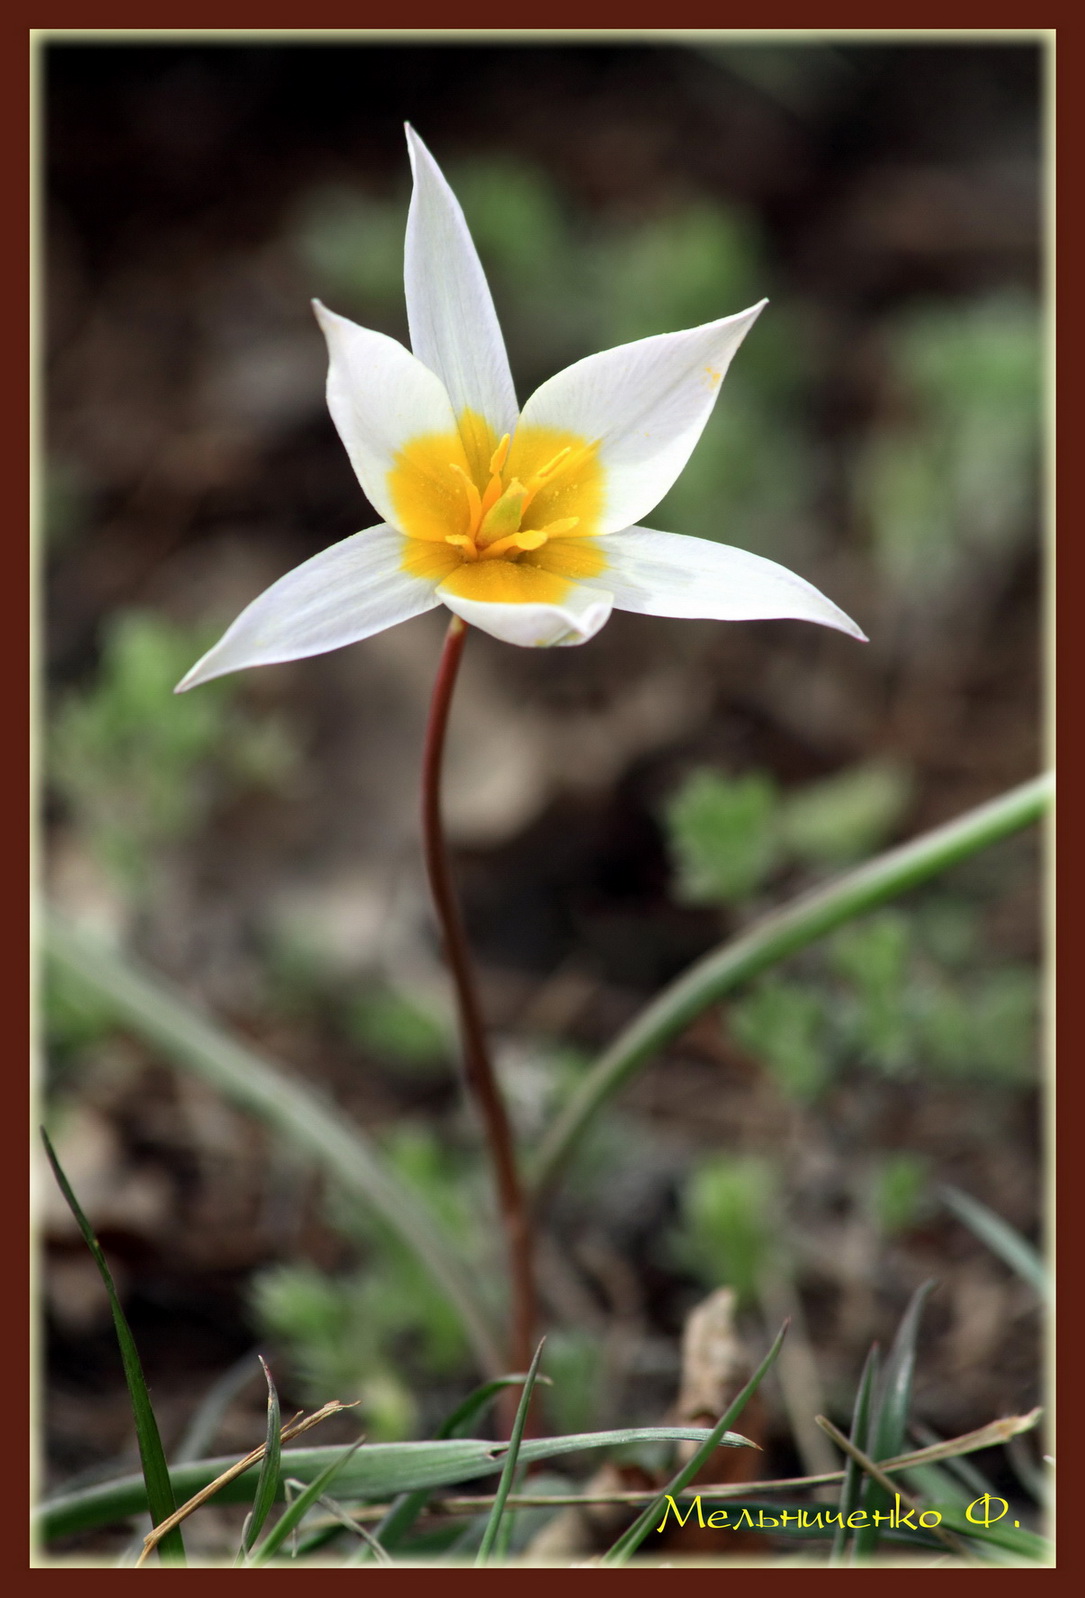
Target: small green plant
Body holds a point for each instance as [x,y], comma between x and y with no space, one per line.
[729,1212]
[873,996]
[787,1026]
[355,1331]
[333,1331]
[136,779]
[952,480]
[727,835]
[722,836]
[900,1192]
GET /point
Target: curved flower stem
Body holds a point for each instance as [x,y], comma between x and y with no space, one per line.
[476,1058]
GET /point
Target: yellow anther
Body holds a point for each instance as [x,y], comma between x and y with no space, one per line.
[540,477]
[474,502]
[559,528]
[551,466]
[494,490]
[499,457]
[517,541]
[462,541]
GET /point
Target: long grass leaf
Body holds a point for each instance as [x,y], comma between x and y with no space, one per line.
[268,1483]
[379,1471]
[889,1420]
[159,1492]
[630,1540]
[148,1007]
[512,1459]
[1018,1541]
[1001,1238]
[853,1476]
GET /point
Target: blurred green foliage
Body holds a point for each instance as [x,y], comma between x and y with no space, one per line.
[728,834]
[76,1019]
[785,1025]
[730,1224]
[901,992]
[575,1364]
[872,996]
[333,1330]
[847,816]
[723,836]
[952,478]
[359,1333]
[900,1192]
[140,768]
[398,1025]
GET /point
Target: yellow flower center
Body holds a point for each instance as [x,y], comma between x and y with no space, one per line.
[509,520]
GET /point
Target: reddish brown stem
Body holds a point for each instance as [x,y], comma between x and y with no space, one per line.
[476,1058]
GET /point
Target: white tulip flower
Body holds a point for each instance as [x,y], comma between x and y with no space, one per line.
[523,523]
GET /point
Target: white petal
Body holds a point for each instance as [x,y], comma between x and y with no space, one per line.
[646,403]
[669,574]
[380,397]
[451,315]
[350,591]
[579,617]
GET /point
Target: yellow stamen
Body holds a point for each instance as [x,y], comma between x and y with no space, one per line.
[559,528]
[517,541]
[542,477]
[462,541]
[552,465]
[499,456]
[474,502]
[458,519]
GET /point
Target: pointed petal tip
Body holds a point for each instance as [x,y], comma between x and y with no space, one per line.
[416,148]
[846,625]
[196,675]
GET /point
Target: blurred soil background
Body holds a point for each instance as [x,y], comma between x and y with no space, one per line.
[616,809]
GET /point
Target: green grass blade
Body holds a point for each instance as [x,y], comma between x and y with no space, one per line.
[889,1420]
[475,1404]
[269,1481]
[504,1487]
[628,1543]
[780,934]
[156,1477]
[295,1512]
[404,1512]
[852,1484]
[1017,1541]
[1000,1237]
[378,1472]
[146,1006]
